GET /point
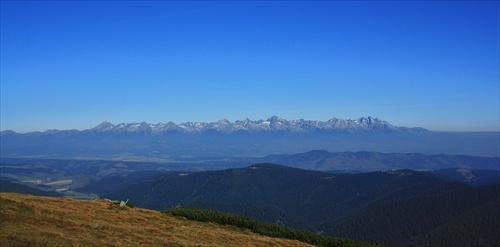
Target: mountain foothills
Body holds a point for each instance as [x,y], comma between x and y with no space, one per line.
[158,142]
[68,174]
[105,176]
[420,205]
[423,208]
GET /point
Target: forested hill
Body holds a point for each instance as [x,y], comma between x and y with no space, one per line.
[467,217]
[305,199]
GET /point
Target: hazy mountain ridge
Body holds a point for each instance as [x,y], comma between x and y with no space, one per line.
[271,124]
[323,160]
[142,142]
[472,177]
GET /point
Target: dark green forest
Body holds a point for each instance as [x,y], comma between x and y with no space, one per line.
[402,207]
[466,217]
[266,229]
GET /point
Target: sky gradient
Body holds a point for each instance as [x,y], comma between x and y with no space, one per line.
[72,65]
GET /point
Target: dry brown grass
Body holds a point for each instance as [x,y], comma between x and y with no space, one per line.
[27,220]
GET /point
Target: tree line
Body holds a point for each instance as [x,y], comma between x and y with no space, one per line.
[266,229]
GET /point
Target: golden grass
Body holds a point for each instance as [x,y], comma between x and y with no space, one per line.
[27,220]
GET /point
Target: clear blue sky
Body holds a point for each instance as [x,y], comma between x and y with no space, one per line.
[71,65]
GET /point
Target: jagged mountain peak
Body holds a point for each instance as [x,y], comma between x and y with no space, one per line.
[105,125]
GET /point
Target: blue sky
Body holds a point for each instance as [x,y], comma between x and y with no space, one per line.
[71,65]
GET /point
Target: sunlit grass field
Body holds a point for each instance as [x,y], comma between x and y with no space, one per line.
[27,220]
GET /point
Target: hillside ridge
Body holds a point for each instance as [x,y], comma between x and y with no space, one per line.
[69,222]
[275,193]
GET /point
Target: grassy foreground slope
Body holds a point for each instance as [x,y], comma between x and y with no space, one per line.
[27,220]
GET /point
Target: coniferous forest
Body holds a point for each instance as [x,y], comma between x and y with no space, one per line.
[393,207]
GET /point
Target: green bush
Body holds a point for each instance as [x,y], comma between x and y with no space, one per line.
[262,228]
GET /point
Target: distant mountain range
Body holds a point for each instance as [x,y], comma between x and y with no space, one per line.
[364,124]
[158,142]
